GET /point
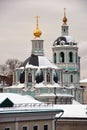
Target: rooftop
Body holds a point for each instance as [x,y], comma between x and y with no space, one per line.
[29,104]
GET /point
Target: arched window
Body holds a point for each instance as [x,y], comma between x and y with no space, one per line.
[39,77]
[48,77]
[22,77]
[64,30]
[54,57]
[70,57]
[71,78]
[62,57]
[29,77]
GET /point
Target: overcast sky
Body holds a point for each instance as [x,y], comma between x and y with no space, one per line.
[17,22]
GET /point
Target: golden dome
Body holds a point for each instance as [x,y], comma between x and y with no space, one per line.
[65,18]
[37,33]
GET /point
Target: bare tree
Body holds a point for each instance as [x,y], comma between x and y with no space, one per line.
[4,70]
[12,64]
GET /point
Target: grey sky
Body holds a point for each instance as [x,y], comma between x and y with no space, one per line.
[17,22]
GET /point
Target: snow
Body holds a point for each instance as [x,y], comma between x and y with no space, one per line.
[19,85]
[83,81]
[46,95]
[54,95]
[17,98]
[76,103]
[42,85]
[75,110]
[64,95]
[44,62]
[69,39]
[31,66]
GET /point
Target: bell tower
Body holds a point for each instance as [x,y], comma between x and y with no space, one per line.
[65,56]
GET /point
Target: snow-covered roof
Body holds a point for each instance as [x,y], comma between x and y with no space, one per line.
[35,61]
[17,98]
[42,85]
[19,85]
[64,40]
[52,95]
[43,62]
[83,81]
[74,110]
[69,39]
[64,95]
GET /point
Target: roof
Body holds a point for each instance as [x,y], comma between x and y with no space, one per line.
[27,110]
[38,61]
[25,104]
[74,110]
[83,81]
[17,98]
[64,40]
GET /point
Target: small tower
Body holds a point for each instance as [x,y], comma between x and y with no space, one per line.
[65,56]
[37,43]
[64,27]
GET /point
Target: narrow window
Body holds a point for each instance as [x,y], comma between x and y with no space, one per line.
[62,57]
[24,128]
[48,77]
[45,127]
[71,78]
[35,127]
[54,57]
[29,77]
[76,57]
[70,57]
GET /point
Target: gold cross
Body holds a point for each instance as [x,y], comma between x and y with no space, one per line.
[64,12]
[37,21]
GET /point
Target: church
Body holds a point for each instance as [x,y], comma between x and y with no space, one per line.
[56,82]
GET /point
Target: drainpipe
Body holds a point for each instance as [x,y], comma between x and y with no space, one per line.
[62,112]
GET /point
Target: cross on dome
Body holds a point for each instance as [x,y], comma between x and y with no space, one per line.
[64,18]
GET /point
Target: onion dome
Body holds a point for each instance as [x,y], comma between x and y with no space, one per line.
[37,33]
[64,18]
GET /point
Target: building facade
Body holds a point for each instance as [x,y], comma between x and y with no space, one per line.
[18,112]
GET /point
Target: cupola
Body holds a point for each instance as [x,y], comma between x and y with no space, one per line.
[37,33]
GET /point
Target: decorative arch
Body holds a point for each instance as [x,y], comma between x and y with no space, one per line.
[39,77]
